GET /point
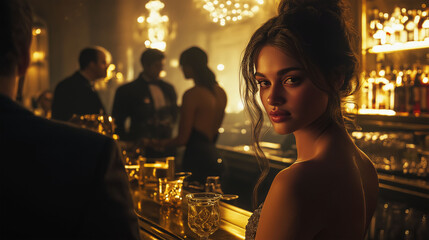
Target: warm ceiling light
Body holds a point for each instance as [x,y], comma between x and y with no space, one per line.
[223,11]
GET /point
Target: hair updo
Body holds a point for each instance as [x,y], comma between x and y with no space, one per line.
[319,35]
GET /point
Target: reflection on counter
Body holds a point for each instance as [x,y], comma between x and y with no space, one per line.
[395,220]
[172,218]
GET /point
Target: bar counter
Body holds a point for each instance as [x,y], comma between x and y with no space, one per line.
[163,222]
[241,161]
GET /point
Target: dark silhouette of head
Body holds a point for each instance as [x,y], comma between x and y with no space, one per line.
[94,61]
[195,59]
[86,56]
[151,60]
[150,56]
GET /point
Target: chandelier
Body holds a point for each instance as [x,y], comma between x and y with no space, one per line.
[224,11]
[156,25]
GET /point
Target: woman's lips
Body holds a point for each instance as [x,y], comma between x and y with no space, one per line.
[279,116]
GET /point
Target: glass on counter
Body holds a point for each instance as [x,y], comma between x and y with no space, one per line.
[152,169]
[203,213]
[170,191]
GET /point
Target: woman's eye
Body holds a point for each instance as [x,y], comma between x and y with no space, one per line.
[263,83]
[291,81]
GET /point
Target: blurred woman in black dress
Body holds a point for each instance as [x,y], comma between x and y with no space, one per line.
[201,115]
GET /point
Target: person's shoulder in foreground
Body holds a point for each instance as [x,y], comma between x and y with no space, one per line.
[71,181]
[57,181]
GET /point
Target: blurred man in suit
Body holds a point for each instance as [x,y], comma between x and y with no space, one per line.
[76,94]
[57,181]
[150,104]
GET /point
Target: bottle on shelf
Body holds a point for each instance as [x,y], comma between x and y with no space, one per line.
[404,89]
[417,90]
[400,105]
[372,90]
[404,18]
[380,99]
[401,26]
[425,26]
[410,25]
[420,30]
[425,90]
[373,23]
[364,92]
[387,87]
[408,84]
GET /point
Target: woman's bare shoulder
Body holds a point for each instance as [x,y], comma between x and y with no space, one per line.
[197,91]
[306,172]
[193,92]
[294,197]
[219,89]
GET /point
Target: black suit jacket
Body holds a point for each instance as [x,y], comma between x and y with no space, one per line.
[134,100]
[74,95]
[59,181]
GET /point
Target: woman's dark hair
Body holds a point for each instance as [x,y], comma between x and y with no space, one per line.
[318,35]
[196,58]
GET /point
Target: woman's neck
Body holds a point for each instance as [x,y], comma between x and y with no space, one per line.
[313,139]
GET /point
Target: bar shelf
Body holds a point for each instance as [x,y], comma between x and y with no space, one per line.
[389,48]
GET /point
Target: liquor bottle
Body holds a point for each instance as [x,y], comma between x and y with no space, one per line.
[408,84]
[379,95]
[377,29]
[425,25]
[425,90]
[383,89]
[372,90]
[373,22]
[421,30]
[417,91]
[387,30]
[364,97]
[396,25]
[410,25]
[404,19]
[417,17]
[424,94]
[400,103]
[390,87]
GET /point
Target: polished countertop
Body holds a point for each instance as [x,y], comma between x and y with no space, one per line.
[163,222]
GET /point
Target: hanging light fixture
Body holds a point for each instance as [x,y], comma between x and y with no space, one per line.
[156,25]
[225,11]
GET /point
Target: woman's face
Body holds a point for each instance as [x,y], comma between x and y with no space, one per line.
[290,98]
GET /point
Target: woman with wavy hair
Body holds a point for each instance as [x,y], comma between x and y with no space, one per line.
[301,64]
[201,115]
